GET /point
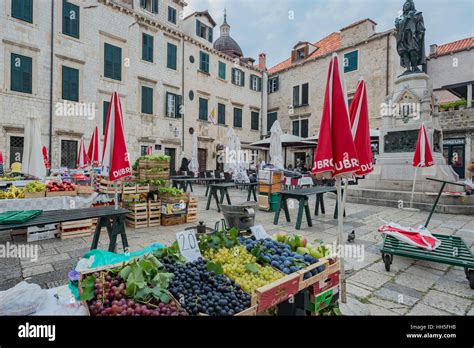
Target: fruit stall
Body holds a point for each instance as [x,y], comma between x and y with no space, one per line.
[218,274]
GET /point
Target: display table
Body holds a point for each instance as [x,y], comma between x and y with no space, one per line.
[302,196]
[47,203]
[109,217]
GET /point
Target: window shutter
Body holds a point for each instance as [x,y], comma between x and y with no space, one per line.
[242,79]
[28,10]
[198,28]
[154,6]
[210,34]
[296,95]
[305,94]
[167,104]
[179,102]
[15,79]
[27,78]
[296,128]
[77,22]
[107,60]
[143,100]
[259,84]
[117,63]
[293,55]
[304,128]
[233,76]
[143,3]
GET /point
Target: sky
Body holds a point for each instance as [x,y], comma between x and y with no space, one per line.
[275,26]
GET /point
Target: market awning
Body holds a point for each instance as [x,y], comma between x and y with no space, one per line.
[287,140]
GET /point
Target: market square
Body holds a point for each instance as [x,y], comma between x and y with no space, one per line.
[156,160]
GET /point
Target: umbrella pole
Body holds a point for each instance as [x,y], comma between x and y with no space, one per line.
[413,188]
[340,227]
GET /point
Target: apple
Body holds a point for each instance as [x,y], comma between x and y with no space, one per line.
[303,242]
[302,251]
[281,237]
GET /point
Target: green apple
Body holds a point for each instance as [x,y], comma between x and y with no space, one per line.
[302,251]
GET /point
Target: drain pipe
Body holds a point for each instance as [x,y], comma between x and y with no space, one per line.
[51,86]
[182,98]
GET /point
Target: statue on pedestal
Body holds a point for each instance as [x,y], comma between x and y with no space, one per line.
[410,33]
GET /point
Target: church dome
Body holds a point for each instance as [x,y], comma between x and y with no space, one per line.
[225,43]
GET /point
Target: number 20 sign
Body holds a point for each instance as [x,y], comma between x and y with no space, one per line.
[188,245]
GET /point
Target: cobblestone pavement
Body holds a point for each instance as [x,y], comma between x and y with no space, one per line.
[410,288]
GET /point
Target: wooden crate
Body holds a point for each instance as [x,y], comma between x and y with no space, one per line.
[126,190]
[154,213]
[61,193]
[35,194]
[84,189]
[145,174]
[37,233]
[191,215]
[330,266]
[138,217]
[143,188]
[323,300]
[165,165]
[276,292]
[171,220]
[106,186]
[76,229]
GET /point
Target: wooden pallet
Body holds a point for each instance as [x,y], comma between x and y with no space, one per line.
[143,188]
[154,221]
[154,213]
[126,190]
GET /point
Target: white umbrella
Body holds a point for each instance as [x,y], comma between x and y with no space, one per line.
[229,163]
[33,162]
[194,163]
[276,150]
[240,174]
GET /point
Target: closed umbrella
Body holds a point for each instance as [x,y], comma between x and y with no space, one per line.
[94,148]
[230,163]
[45,158]
[422,158]
[115,163]
[336,156]
[241,170]
[82,157]
[33,162]
[419,237]
[276,149]
[193,165]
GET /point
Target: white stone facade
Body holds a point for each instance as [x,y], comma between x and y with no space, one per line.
[120,23]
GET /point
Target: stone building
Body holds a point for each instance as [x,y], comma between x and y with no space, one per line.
[62,60]
[451,69]
[296,86]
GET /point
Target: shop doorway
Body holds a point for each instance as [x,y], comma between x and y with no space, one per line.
[202,159]
[169,151]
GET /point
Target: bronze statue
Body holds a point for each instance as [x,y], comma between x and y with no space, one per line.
[410,33]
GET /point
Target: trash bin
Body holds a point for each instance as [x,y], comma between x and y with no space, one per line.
[274,200]
[240,216]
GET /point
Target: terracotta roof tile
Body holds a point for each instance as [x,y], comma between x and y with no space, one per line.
[329,44]
[454,46]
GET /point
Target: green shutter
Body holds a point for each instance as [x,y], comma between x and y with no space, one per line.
[198,28]
[70,84]
[259,84]
[271,118]
[154,6]
[171,56]
[203,61]
[112,62]
[254,120]
[221,113]
[118,63]
[242,79]
[210,34]
[304,128]
[296,128]
[147,100]
[21,73]
[233,76]
[22,9]
[237,117]
[351,61]
[222,68]
[179,102]
[147,47]
[71,25]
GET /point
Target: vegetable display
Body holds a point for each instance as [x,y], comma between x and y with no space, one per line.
[172,191]
[53,186]
[35,186]
[13,192]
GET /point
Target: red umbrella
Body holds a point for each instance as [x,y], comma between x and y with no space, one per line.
[423,156]
[359,115]
[115,157]
[82,158]
[93,151]
[45,158]
[336,155]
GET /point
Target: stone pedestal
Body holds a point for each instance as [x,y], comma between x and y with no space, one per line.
[410,104]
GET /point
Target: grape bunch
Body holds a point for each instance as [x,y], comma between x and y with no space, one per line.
[241,266]
[202,291]
[110,300]
[280,256]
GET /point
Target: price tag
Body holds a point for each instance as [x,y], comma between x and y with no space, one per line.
[259,232]
[188,245]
